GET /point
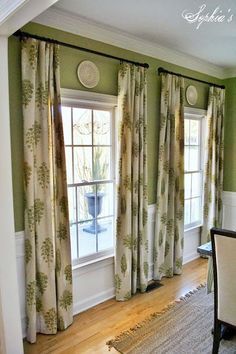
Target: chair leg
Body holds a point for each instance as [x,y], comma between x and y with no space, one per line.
[216,337]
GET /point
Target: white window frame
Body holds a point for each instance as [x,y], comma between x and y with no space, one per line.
[93,100]
[198,114]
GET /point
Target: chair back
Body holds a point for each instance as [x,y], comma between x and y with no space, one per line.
[224,269]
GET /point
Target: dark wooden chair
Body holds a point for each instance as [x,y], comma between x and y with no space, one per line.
[224,267]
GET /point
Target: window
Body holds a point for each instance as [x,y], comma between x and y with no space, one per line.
[89,144]
[193,166]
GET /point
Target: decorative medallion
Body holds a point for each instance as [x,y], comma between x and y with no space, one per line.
[88,74]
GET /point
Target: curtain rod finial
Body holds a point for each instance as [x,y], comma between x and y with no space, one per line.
[160,70]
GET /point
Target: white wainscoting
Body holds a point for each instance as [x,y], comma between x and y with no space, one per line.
[191,242]
[20,263]
[229,210]
[93,284]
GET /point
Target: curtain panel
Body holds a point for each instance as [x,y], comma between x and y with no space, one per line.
[214,161]
[47,240]
[169,230]
[131,265]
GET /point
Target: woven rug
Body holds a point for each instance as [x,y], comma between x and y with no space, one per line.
[184,327]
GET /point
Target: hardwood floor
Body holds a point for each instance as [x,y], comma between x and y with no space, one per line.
[92,328]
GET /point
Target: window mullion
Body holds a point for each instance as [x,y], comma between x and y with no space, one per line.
[92,186]
[92,147]
[76,219]
[96,221]
[199,170]
[72,142]
[95,184]
[191,197]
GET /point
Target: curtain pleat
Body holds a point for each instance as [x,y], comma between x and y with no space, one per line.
[131,265]
[47,238]
[169,229]
[214,160]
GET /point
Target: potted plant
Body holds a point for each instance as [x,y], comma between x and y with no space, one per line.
[95,197]
[94,202]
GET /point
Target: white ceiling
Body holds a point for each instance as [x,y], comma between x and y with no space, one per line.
[161,22]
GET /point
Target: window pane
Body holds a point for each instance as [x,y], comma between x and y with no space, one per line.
[69,174]
[85,208]
[82,164]
[187,212]
[187,185]
[186,158]
[66,119]
[73,238]
[88,139]
[195,209]
[82,126]
[87,240]
[186,132]
[106,192]
[196,184]
[102,127]
[101,165]
[72,204]
[194,158]
[194,132]
[105,237]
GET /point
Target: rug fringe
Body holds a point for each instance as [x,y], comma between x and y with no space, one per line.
[131,331]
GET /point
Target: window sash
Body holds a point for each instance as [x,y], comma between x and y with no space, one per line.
[110,107]
[199,170]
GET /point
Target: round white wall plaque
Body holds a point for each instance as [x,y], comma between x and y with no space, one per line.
[191,95]
[88,74]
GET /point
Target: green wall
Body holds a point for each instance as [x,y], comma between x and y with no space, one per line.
[230,136]
[70,59]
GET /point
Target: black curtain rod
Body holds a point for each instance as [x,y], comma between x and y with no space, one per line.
[50,40]
[162,70]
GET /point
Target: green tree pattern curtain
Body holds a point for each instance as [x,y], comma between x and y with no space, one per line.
[169,230]
[214,159]
[47,241]
[131,241]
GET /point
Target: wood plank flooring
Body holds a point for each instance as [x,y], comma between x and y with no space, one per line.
[92,328]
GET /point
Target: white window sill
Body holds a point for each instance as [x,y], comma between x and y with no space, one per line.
[191,228]
[92,261]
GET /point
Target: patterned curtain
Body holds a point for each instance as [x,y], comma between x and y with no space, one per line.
[47,241]
[169,231]
[214,158]
[131,241]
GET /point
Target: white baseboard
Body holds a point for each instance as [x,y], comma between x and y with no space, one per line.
[190,257]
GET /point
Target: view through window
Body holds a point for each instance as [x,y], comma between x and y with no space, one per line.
[89,146]
[193,166]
